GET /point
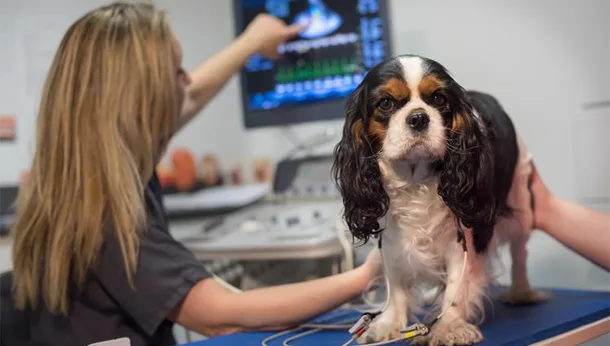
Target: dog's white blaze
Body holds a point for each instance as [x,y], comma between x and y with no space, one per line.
[414,70]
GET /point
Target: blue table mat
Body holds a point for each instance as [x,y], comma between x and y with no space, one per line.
[504,324]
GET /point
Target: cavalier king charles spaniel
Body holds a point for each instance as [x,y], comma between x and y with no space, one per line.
[422,163]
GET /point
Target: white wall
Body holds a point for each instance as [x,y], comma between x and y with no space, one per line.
[541,58]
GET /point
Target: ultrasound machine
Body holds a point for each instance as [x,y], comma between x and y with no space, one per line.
[310,82]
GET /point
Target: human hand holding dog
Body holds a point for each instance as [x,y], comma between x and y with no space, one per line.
[581,229]
[372,266]
[542,199]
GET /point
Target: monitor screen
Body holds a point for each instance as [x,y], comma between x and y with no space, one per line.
[318,69]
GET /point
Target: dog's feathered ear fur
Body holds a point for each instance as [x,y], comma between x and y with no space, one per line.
[466,180]
[356,171]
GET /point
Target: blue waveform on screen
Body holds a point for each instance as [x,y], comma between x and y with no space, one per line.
[306,91]
[368,6]
[258,63]
[278,8]
[320,20]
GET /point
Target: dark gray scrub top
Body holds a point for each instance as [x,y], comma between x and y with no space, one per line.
[109,308]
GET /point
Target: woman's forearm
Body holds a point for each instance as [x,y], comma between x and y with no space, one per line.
[213,74]
[584,231]
[211,309]
[287,305]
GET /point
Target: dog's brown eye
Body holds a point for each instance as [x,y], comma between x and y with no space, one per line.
[439,99]
[385,105]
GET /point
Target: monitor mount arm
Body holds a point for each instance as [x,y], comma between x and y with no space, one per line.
[307,145]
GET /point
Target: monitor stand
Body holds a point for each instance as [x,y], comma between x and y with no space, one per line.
[307,146]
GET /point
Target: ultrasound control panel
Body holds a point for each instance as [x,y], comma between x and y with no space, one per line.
[308,177]
[303,218]
[287,226]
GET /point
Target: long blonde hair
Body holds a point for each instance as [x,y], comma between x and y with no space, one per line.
[108,108]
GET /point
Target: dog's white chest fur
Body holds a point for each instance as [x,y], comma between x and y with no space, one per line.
[418,231]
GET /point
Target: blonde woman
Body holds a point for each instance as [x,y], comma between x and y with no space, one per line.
[93,258]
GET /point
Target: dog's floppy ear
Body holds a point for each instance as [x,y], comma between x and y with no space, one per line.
[466,180]
[356,171]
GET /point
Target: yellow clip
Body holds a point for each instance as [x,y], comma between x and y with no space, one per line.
[411,334]
[415,330]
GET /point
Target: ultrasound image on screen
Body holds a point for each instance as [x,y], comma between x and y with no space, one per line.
[343,40]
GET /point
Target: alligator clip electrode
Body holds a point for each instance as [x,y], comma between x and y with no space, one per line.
[363,324]
[419,329]
[415,330]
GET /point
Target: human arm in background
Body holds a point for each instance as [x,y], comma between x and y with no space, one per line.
[583,230]
[263,35]
[212,309]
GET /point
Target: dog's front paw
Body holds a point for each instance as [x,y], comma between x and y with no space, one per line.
[456,333]
[380,331]
[528,297]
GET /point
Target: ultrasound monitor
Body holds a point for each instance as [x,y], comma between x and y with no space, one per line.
[318,69]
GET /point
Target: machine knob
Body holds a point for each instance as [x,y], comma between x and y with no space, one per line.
[251,225]
[291,221]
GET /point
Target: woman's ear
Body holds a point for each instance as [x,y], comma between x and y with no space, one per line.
[356,171]
[466,180]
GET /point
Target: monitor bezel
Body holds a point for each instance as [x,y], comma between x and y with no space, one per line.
[325,110]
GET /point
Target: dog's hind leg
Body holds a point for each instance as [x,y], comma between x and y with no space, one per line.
[517,230]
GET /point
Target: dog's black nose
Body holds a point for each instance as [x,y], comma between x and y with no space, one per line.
[418,121]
